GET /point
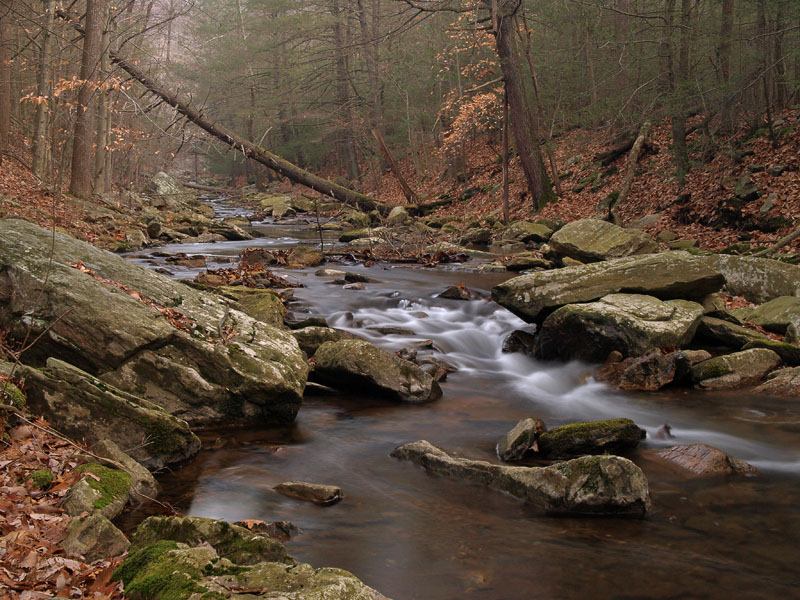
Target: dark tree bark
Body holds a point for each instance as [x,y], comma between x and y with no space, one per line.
[678,118]
[525,133]
[5,76]
[41,126]
[346,141]
[251,150]
[724,51]
[80,184]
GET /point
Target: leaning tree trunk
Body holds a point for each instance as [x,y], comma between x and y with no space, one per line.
[251,150]
[80,183]
[521,121]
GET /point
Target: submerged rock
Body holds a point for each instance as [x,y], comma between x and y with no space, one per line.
[629,323]
[357,364]
[310,492]
[589,240]
[513,445]
[591,437]
[704,460]
[520,340]
[596,485]
[155,338]
[666,275]
[94,537]
[739,369]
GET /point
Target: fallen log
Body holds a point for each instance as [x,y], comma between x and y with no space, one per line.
[251,150]
[620,148]
[210,188]
[633,158]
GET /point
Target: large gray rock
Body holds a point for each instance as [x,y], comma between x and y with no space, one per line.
[739,369]
[777,314]
[600,485]
[757,279]
[629,323]
[589,240]
[166,193]
[311,338]
[783,382]
[154,337]
[666,275]
[592,437]
[94,537]
[86,408]
[349,364]
[727,333]
[397,216]
[525,231]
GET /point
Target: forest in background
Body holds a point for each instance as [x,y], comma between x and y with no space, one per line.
[316,82]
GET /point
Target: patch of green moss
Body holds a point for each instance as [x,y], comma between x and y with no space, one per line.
[710,369]
[11,394]
[42,478]
[590,437]
[220,570]
[112,484]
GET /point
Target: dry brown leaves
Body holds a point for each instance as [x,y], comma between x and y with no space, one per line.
[176,319]
[33,524]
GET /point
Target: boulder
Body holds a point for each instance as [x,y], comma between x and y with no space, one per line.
[317,493]
[357,364]
[513,445]
[330,273]
[311,338]
[703,460]
[629,323]
[593,437]
[166,193]
[456,292]
[757,279]
[143,485]
[356,234]
[793,332]
[596,485]
[175,570]
[101,490]
[789,353]
[143,333]
[783,382]
[232,233]
[263,305]
[397,216]
[136,238]
[86,408]
[525,231]
[590,240]
[450,248]
[739,369]
[666,275]
[477,235]
[520,340]
[94,537]
[304,256]
[726,333]
[777,314]
[279,530]
[650,372]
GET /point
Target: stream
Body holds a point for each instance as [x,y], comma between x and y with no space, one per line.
[412,535]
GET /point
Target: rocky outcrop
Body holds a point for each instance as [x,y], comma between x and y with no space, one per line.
[667,275]
[789,353]
[629,323]
[726,333]
[166,193]
[86,408]
[739,369]
[591,437]
[397,216]
[262,305]
[703,461]
[590,240]
[357,364]
[596,485]
[144,333]
[777,314]
[183,557]
[757,279]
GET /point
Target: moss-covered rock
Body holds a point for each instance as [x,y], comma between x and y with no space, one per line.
[632,324]
[777,314]
[525,231]
[513,445]
[397,216]
[110,491]
[719,331]
[41,478]
[311,338]
[304,256]
[357,364]
[739,369]
[789,353]
[591,437]
[94,537]
[13,396]
[666,275]
[143,484]
[263,305]
[590,240]
[598,485]
[355,234]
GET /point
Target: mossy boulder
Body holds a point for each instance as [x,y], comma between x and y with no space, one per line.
[358,365]
[397,216]
[632,324]
[525,231]
[263,305]
[356,234]
[667,275]
[170,355]
[590,485]
[304,256]
[592,437]
[719,331]
[450,248]
[739,369]
[13,396]
[789,353]
[590,240]
[777,314]
[101,490]
[94,537]
[311,338]
[477,235]
[86,408]
[757,279]
[165,193]
[41,478]
[143,485]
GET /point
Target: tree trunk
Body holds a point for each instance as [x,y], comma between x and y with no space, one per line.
[80,184]
[506,211]
[5,76]
[346,139]
[103,117]
[725,35]
[678,119]
[41,122]
[407,191]
[371,58]
[250,150]
[521,121]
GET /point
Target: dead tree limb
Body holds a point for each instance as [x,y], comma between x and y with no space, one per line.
[784,241]
[620,148]
[407,191]
[251,150]
[633,158]
[216,190]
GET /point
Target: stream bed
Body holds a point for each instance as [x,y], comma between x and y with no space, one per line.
[412,535]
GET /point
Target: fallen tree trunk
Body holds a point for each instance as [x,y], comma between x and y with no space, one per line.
[209,188]
[251,150]
[630,173]
[620,148]
[784,241]
[407,191]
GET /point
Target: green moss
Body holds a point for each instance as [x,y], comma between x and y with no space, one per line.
[139,559]
[11,394]
[709,369]
[42,478]
[590,437]
[218,570]
[112,484]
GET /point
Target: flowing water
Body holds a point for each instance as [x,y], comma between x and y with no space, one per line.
[412,535]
